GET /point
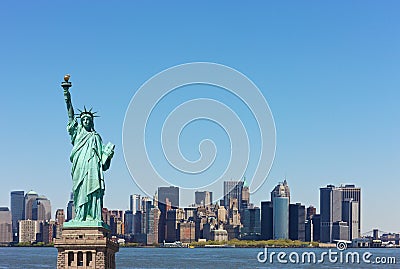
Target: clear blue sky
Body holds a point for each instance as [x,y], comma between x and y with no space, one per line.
[329,71]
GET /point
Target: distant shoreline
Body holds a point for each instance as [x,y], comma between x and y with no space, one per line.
[234,243]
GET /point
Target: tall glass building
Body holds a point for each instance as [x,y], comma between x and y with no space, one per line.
[297,219]
[17,210]
[280,217]
[251,222]
[280,197]
[266,220]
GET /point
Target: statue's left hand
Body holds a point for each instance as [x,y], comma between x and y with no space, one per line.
[107,156]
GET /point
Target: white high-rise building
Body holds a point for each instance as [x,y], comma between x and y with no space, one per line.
[135,203]
[28,229]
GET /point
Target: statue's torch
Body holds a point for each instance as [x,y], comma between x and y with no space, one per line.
[66,84]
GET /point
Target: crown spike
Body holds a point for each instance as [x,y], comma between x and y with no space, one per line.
[87,112]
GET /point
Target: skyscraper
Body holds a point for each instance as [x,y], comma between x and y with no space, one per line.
[233,190]
[30,199]
[266,220]
[146,205]
[116,222]
[331,210]
[251,221]
[137,222]
[154,218]
[281,190]
[6,235]
[280,197]
[155,199]
[203,198]
[71,208]
[336,211]
[128,222]
[17,211]
[280,212]
[168,198]
[47,229]
[297,218]
[350,191]
[60,219]
[41,209]
[134,203]
[168,194]
[351,215]
[245,195]
[174,217]
[316,220]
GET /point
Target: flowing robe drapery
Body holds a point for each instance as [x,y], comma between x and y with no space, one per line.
[87,172]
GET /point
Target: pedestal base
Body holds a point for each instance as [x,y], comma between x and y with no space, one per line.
[86,247]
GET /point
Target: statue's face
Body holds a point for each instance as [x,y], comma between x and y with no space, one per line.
[87,123]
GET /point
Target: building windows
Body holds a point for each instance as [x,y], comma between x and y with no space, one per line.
[70,258]
[80,258]
[88,258]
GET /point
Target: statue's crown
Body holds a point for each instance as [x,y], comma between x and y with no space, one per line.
[86,112]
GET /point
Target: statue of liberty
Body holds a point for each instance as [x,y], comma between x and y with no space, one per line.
[90,158]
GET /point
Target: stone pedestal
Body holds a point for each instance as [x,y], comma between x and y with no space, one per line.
[86,247]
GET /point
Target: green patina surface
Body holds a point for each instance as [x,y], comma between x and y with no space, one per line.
[87,223]
[90,158]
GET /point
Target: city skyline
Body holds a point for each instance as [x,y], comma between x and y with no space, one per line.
[280,190]
[160,219]
[327,70]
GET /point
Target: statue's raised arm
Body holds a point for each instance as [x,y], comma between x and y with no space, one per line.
[67,96]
